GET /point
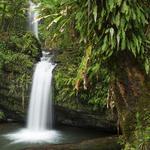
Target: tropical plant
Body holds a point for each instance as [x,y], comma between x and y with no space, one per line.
[141,136]
[103,28]
[113,35]
[12,17]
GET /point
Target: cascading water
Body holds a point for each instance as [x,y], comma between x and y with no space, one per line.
[40,108]
[41,96]
[33,15]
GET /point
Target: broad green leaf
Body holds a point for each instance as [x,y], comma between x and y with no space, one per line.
[54,21]
[147,66]
[133,48]
[123,40]
[117,19]
[105,44]
[125,8]
[103,12]
[111,5]
[89,50]
[118,40]
[112,32]
[95,13]
[118,2]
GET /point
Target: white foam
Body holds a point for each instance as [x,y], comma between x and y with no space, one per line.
[29,136]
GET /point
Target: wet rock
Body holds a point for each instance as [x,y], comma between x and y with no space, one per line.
[80,118]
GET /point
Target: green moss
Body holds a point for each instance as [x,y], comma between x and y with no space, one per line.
[18,54]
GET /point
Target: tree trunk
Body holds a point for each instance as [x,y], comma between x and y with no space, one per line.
[132,95]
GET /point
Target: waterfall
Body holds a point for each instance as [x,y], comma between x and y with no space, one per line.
[40,107]
[33,15]
[41,94]
[40,116]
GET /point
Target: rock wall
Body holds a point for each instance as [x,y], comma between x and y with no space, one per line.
[81,118]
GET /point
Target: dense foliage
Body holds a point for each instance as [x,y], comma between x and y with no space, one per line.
[65,78]
[90,39]
[19,50]
[103,28]
[101,32]
[12,15]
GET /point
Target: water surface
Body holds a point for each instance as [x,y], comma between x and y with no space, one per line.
[62,135]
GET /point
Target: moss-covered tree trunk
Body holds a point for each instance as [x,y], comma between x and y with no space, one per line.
[132,95]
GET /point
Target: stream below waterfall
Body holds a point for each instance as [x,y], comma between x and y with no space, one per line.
[64,134]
